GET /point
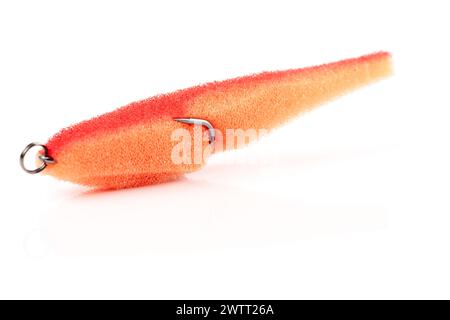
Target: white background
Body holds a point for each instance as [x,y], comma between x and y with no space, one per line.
[348,201]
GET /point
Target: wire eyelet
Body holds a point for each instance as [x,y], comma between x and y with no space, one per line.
[45,158]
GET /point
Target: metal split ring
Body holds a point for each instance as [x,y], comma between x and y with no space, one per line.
[45,158]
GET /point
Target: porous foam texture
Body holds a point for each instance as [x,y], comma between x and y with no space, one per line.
[132,146]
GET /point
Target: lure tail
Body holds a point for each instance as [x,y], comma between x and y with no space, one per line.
[269,99]
[144,143]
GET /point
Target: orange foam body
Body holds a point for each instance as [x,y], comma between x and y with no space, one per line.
[134,145]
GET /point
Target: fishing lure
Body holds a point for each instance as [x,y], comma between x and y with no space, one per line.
[145,142]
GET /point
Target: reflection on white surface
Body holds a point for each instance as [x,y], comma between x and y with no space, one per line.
[194,214]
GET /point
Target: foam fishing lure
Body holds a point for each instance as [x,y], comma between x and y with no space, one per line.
[135,145]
